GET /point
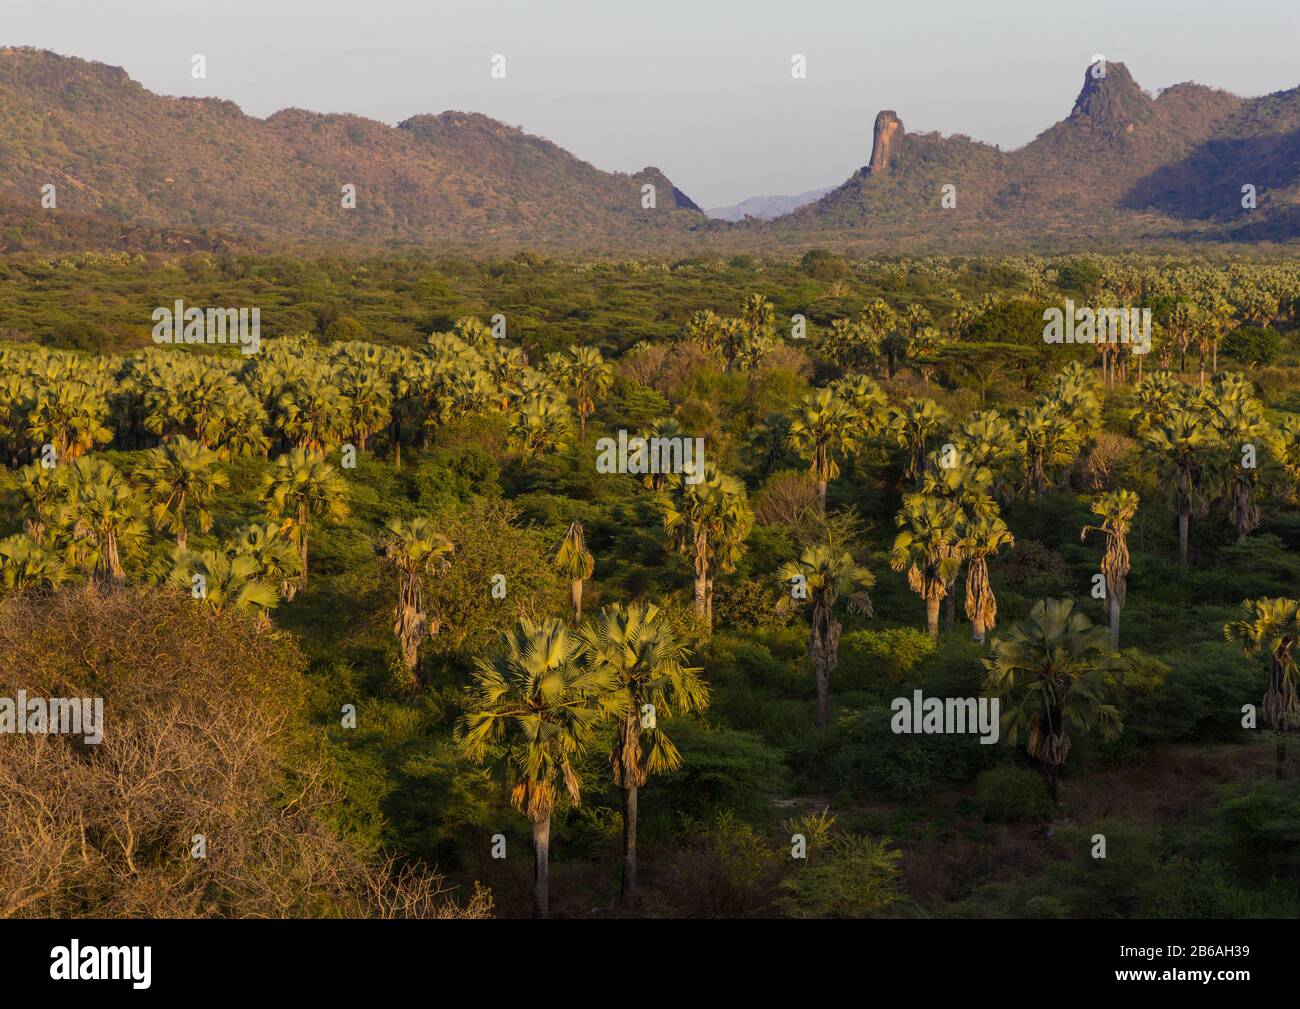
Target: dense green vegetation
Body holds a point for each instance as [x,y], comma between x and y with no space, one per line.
[659,680]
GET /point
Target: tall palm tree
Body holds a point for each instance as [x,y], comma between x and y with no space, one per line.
[104,511]
[177,475]
[708,521]
[638,649]
[299,486]
[1116,510]
[823,426]
[586,377]
[979,538]
[826,574]
[415,549]
[574,561]
[913,424]
[532,713]
[1178,445]
[927,546]
[1050,675]
[1238,419]
[1047,438]
[1270,626]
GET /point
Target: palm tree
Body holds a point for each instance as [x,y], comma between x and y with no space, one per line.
[177,475]
[540,426]
[103,510]
[25,564]
[1050,675]
[1116,510]
[275,556]
[979,538]
[708,521]
[927,546]
[228,582]
[1238,419]
[300,485]
[414,548]
[912,425]
[822,427]
[824,574]
[586,377]
[1047,438]
[637,648]
[1270,625]
[1177,445]
[574,561]
[533,712]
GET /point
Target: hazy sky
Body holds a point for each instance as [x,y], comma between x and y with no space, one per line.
[701,89]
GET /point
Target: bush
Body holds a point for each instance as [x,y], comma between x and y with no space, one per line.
[1010,794]
[857,877]
[864,655]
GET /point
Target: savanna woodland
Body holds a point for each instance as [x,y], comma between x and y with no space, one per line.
[367,615]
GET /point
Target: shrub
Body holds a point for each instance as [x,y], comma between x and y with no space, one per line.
[1009,794]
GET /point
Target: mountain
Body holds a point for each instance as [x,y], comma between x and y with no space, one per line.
[1122,166]
[169,172]
[135,170]
[765,207]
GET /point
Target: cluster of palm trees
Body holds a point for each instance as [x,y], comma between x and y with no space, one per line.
[537,705]
[87,520]
[293,394]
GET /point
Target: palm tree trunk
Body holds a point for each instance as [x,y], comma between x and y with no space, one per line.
[1182,539]
[1112,604]
[821,494]
[977,630]
[950,610]
[628,889]
[1049,771]
[822,676]
[575,590]
[932,616]
[541,866]
[1279,770]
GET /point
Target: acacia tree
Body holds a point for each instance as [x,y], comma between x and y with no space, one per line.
[638,649]
[532,714]
[1116,510]
[1050,675]
[1270,626]
[821,576]
[414,548]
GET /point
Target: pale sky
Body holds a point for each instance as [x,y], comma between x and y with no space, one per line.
[702,89]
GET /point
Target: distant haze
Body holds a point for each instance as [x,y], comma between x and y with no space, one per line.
[700,90]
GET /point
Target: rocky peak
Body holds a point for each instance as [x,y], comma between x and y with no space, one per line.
[1110,94]
[886,139]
